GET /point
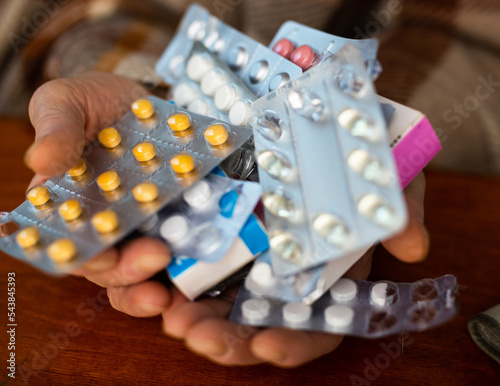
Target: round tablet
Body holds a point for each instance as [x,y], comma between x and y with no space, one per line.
[284,47]
[303,56]
[197,66]
[78,169]
[216,135]
[108,181]
[145,192]
[184,94]
[296,312]
[344,290]
[143,108]
[62,250]
[105,221]
[38,195]
[255,309]
[70,210]
[225,97]
[175,228]
[179,122]
[239,113]
[262,274]
[28,237]
[144,151]
[198,106]
[211,81]
[338,315]
[182,163]
[109,137]
[198,195]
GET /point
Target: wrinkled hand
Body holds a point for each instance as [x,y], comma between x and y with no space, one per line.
[68,113]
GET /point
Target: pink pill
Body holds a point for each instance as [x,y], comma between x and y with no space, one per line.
[303,57]
[284,47]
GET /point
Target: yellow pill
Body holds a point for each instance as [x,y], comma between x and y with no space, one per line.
[145,192]
[182,163]
[216,135]
[109,137]
[144,151]
[179,122]
[78,169]
[109,181]
[62,250]
[105,221]
[70,210]
[38,195]
[143,108]
[28,237]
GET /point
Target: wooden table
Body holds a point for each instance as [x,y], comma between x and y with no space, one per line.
[462,213]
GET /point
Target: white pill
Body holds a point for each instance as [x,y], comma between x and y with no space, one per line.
[197,66]
[198,106]
[198,195]
[175,228]
[339,315]
[184,94]
[344,290]
[262,274]
[255,309]
[378,294]
[225,97]
[296,312]
[211,81]
[239,113]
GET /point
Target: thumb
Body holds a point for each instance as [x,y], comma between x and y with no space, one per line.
[66,113]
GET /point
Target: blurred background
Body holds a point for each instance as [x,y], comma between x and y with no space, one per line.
[439,56]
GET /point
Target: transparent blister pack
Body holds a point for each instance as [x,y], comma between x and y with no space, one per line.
[259,68]
[306,286]
[306,47]
[205,220]
[208,87]
[129,173]
[356,307]
[325,165]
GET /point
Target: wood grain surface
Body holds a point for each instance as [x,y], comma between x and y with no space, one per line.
[98,345]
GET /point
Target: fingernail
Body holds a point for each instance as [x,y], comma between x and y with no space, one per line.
[207,347]
[101,264]
[151,263]
[151,309]
[269,353]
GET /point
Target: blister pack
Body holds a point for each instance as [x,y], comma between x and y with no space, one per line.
[129,173]
[359,308]
[208,87]
[194,277]
[328,176]
[258,67]
[307,47]
[205,220]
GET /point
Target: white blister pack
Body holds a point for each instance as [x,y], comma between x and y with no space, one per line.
[258,67]
[325,165]
[205,220]
[129,173]
[306,47]
[208,87]
[356,307]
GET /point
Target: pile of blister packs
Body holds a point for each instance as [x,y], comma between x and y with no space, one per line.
[302,118]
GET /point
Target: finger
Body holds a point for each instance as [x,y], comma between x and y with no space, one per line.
[38,179]
[140,259]
[222,342]
[288,348]
[67,112]
[412,245]
[104,262]
[141,300]
[361,269]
